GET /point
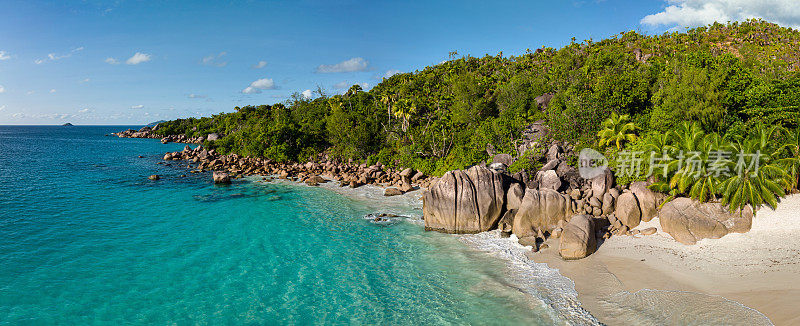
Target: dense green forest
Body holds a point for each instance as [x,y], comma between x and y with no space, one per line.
[728,80]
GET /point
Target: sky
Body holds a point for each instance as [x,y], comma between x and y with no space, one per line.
[134,62]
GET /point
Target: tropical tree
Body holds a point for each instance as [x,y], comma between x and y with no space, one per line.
[791,163]
[756,179]
[616,130]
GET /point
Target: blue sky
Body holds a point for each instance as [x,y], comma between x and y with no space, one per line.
[133,62]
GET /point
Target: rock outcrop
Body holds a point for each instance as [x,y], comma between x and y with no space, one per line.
[464,201]
[221,177]
[688,221]
[628,211]
[578,238]
[540,211]
[648,200]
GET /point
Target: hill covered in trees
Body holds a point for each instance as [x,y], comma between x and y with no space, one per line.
[726,78]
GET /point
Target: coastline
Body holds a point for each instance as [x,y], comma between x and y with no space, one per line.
[650,279]
[539,282]
[644,280]
[743,275]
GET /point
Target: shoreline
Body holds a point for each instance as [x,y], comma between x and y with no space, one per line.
[611,285]
[751,274]
[621,283]
[541,283]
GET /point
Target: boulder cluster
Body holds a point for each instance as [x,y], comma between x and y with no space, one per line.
[558,203]
[227,167]
[149,132]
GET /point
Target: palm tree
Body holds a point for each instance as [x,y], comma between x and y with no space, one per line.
[757,179]
[616,130]
[791,163]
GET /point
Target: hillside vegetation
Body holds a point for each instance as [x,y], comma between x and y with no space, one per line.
[726,79]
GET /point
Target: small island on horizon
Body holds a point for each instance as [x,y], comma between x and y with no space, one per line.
[67,125]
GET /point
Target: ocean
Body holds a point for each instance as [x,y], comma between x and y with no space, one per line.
[86,238]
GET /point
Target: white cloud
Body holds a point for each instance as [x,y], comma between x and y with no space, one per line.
[4,56]
[391,72]
[306,93]
[693,13]
[54,57]
[196,96]
[213,60]
[260,64]
[52,91]
[2,107]
[136,107]
[258,85]
[138,58]
[2,89]
[29,92]
[86,80]
[341,85]
[351,65]
[111,61]
[84,110]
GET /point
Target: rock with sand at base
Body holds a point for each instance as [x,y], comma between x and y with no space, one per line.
[648,201]
[154,177]
[541,211]
[627,210]
[689,221]
[464,201]
[578,238]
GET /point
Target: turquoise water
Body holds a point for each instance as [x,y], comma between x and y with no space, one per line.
[85,237]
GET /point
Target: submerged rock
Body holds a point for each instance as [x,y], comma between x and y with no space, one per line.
[392,191]
[221,177]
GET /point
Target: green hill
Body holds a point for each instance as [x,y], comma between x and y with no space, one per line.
[727,77]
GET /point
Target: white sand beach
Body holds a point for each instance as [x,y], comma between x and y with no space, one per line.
[740,275]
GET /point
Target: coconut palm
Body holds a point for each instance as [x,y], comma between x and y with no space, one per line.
[616,130]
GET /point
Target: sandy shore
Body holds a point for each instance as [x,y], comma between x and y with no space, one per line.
[738,279]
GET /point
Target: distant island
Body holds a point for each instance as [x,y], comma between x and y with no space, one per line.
[67,125]
[155,123]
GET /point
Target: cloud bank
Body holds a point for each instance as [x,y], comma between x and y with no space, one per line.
[693,13]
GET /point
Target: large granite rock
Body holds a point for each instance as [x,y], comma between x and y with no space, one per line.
[628,211]
[648,200]
[549,180]
[688,221]
[578,238]
[514,195]
[541,210]
[464,201]
[212,136]
[602,183]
